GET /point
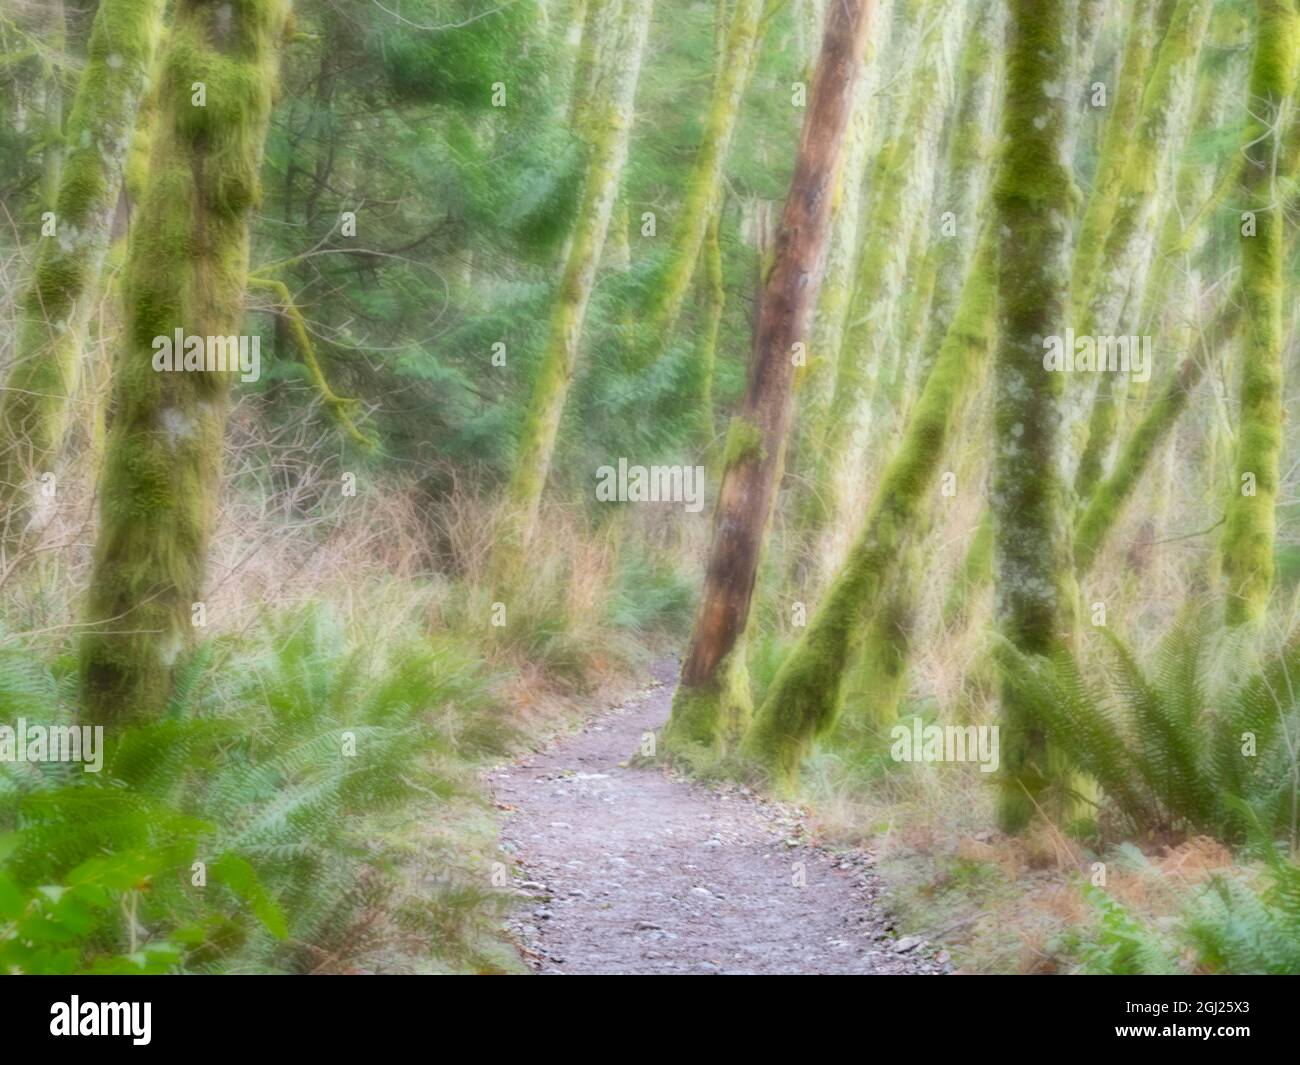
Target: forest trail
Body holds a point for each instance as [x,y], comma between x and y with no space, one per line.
[631,869]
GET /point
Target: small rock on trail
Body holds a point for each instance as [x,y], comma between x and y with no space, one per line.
[635,870]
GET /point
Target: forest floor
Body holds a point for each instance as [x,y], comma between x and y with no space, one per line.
[624,866]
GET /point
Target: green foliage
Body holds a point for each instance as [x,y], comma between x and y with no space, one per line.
[1181,747]
[646,597]
[1122,944]
[451,52]
[1228,924]
[286,764]
[1236,930]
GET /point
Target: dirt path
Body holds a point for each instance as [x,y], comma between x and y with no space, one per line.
[633,870]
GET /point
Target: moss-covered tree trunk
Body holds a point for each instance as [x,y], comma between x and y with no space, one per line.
[815,381]
[574,49]
[1106,504]
[715,297]
[1250,522]
[596,17]
[186,267]
[1032,211]
[1140,38]
[757,439]
[1132,223]
[610,119]
[705,177]
[56,39]
[805,695]
[876,684]
[34,406]
[968,165]
[897,207]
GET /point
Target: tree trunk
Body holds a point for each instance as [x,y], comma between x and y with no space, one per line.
[186,268]
[611,122]
[56,39]
[1032,211]
[1125,106]
[595,17]
[756,442]
[674,279]
[1250,521]
[897,207]
[815,382]
[805,694]
[35,403]
[715,295]
[968,165]
[1133,222]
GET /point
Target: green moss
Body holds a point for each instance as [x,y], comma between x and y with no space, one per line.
[186,266]
[877,681]
[1250,520]
[1033,203]
[706,722]
[559,358]
[34,404]
[804,698]
[701,192]
[744,443]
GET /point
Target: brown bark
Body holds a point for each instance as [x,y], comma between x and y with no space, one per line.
[756,444]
